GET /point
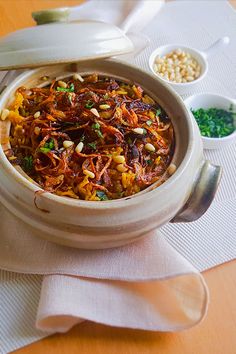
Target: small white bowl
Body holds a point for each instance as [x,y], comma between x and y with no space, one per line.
[199,56]
[210,100]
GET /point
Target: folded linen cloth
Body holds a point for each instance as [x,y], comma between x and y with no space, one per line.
[130,15]
[146,285]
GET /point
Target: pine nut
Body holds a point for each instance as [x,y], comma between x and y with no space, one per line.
[95,112]
[79,147]
[138,131]
[150,147]
[77,76]
[88,173]
[189,78]
[179,62]
[37,130]
[67,143]
[62,84]
[119,159]
[104,106]
[5,113]
[37,114]
[121,168]
[171,169]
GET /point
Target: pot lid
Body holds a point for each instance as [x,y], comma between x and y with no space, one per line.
[57,42]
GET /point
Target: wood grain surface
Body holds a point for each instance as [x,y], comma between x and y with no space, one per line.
[215,335]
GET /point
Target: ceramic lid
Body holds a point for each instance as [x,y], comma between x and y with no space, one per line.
[59,42]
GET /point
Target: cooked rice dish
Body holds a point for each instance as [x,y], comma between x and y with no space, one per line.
[92,138]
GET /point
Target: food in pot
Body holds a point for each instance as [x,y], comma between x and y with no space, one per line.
[92,138]
[177,66]
[214,122]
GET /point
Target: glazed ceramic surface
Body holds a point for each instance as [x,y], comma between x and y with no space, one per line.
[88,224]
[62,43]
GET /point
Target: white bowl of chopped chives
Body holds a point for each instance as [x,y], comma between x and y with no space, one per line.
[216,118]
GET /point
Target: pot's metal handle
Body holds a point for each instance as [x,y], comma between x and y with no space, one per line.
[203,193]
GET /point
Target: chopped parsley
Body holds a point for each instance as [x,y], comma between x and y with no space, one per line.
[149,122]
[27,163]
[89,104]
[99,133]
[96,126]
[106,96]
[67,89]
[158,112]
[214,122]
[92,145]
[48,146]
[101,195]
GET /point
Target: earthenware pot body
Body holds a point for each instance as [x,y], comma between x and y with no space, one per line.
[87,224]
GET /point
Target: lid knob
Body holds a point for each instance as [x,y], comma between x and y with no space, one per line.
[61,14]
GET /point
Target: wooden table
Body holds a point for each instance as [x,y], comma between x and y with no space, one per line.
[217,333]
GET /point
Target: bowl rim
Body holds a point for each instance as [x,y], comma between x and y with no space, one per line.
[209,94]
[115,203]
[204,69]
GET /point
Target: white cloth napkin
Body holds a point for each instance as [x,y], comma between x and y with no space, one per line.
[146,285]
[130,15]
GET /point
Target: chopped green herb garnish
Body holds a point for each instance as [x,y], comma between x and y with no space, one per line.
[158,112]
[106,96]
[27,163]
[44,150]
[68,89]
[48,146]
[149,122]
[89,104]
[101,195]
[144,131]
[149,162]
[99,133]
[214,122]
[96,126]
[92,145]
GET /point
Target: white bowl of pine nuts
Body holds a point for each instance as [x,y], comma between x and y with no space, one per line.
[180,66]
